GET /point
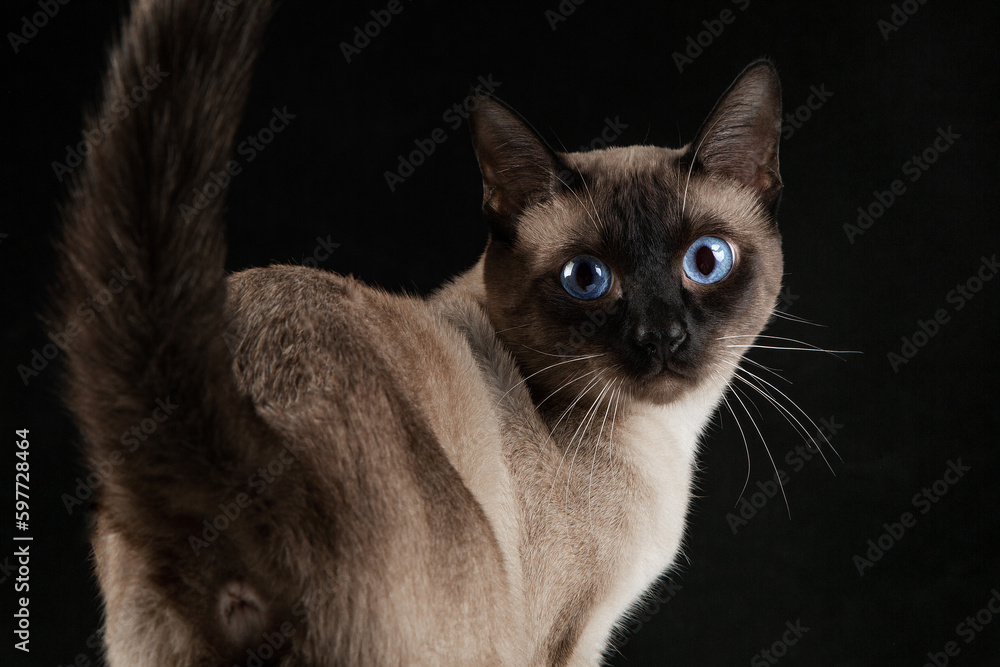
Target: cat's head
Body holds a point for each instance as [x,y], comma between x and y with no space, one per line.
[647,267]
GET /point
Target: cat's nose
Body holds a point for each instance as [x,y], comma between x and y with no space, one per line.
[662,344]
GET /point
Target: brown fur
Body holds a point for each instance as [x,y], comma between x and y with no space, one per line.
[399,480]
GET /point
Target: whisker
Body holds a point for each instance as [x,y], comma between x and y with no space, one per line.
[611,434]
[736,392]
[590,196]
[562,458]
[832,353]
[759,336]
[566,384]
[570,189]
[796,318]
[787,414]
[772,371]
[746,446]
[808,346]
[694,158]
[560,142]
[799,429]
[600,434]
[558,363]
[549,354]
[738,369]
[585,424]
[519,326]
[804,414]
[576,400]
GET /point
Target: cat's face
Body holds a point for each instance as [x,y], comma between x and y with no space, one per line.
[643,268]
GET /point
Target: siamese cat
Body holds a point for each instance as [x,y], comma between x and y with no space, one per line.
[330,474]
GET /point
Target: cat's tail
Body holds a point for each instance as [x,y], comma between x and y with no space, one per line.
[139,306]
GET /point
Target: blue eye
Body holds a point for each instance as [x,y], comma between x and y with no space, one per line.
[709,260]
[586,277]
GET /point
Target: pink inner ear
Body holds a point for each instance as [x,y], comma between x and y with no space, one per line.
[242,612]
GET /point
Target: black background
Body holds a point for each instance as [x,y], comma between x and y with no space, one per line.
[323,176]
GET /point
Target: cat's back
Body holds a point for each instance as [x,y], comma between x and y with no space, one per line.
[379,400]
[304,338]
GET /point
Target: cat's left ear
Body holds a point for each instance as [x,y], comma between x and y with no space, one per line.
[740,138]
[519,170]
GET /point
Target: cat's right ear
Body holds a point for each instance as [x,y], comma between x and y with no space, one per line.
[739,140]
[519,170]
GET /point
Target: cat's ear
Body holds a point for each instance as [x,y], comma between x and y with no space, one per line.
[518,168]
[739,139]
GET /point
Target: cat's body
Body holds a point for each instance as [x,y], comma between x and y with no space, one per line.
[382,479]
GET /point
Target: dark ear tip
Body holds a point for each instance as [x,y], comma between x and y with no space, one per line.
[765,71]
[764,62]
[487,107]
[483,99]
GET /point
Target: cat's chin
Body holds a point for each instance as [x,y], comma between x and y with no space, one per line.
[665,387]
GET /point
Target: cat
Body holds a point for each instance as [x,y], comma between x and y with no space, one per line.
[336,475]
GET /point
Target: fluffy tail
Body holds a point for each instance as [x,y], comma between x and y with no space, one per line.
[141,291]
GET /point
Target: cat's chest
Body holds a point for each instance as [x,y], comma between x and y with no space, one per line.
[659,446]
